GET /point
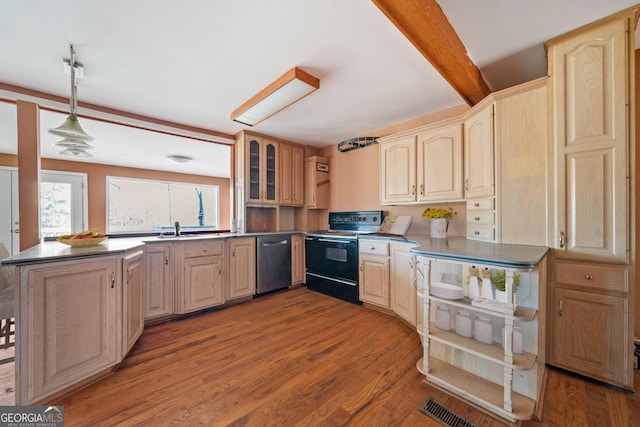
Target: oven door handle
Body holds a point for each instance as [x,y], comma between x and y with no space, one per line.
[334,240]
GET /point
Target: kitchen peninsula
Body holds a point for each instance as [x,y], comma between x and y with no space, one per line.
[80,310]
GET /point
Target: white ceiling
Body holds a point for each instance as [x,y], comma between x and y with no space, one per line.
[194,61]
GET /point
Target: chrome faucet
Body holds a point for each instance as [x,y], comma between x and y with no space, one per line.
[177,224]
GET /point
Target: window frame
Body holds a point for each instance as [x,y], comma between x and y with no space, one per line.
[108,230]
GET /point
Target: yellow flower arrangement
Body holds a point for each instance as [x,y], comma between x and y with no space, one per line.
[439,213]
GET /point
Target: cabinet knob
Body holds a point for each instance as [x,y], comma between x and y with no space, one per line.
[561,242]
[422,189]
[129,275]
[204,249]
[466,184]
[560,308]
[233,252]
[113,280]
[476,205]
[588,276]
[477,218]
[413,190]
[166,259]
[477,233]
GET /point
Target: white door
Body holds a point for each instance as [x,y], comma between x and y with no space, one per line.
[63,203]
[9,236]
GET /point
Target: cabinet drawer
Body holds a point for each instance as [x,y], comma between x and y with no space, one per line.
[480,232]
[596,277]
[486,218]
[480,204]
[373,247]
[204,248]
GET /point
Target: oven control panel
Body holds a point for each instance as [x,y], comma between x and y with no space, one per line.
[360,220]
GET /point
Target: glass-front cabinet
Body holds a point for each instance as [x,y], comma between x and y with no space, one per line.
[262,172]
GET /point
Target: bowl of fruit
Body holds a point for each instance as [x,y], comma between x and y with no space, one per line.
[83,239]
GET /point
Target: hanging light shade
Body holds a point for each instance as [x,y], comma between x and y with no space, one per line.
[72,143]
[71,130]
[75,152]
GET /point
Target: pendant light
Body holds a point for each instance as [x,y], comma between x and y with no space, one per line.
[74,142]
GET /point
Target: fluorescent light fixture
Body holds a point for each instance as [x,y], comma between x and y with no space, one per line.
[287,89]
[179,159]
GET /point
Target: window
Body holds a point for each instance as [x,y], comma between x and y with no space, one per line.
[138,205]
[63,207]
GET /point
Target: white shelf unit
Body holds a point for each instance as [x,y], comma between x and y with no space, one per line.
[490,376]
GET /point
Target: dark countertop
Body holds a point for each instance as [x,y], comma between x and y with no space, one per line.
[52,251]
[453,248]
[462,249]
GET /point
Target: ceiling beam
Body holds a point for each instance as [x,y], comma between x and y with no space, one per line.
[425,25]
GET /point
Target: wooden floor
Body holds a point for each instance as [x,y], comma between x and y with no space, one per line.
[298,358]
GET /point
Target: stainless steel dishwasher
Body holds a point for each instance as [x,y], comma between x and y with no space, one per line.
[274,262]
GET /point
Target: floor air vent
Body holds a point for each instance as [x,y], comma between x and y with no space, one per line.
[443,415]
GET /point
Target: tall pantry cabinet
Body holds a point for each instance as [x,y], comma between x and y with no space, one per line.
[592,293]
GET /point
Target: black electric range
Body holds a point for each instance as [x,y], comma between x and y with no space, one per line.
[332,255]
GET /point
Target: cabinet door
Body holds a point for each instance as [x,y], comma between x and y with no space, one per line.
[291,175]
[479,157]
[316,182]
[159,281]
[440,165]
[74,309]
[270,173]
[132,300]
[242,267]
[589,335]
[398,171]
[297,259]
[403,294]
[297,176]
[203,282]
[261,172]
[374,280]
[254,170]
[589,76]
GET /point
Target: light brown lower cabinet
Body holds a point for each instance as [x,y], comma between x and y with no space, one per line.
[133,274]
[589,321]
[159,280]
[201,284]
[297,259]
[401,286]
[75,307]
[374,273]
[242,268]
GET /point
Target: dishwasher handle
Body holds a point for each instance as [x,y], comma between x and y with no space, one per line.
[278,243]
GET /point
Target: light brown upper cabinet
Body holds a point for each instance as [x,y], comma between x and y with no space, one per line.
[423,165]
[261,186]
[479,183]
[291,175]
[479,141]
[590,74]
[591,323]
[316,182]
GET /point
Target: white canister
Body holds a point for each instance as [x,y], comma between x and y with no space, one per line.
[463,323]
[443,318]
[483,329]
[517,339]
[474,288]
[486,292]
